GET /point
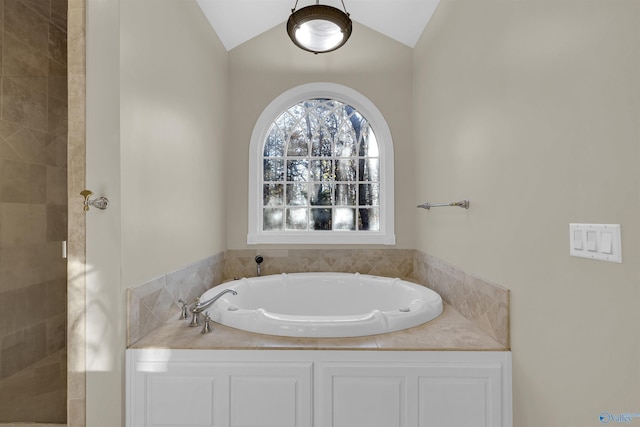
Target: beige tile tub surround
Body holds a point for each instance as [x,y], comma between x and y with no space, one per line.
[482,302]
[450,331]
[156,301]
[378,262]
[478,316]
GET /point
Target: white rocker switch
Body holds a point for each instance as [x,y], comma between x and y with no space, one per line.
[592,237]
[577,240]
[606,242]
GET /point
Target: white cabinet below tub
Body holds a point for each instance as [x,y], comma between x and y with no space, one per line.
[220,392]
[425,394]
[267,388]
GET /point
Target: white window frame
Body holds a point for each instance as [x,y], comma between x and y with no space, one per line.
[362,104]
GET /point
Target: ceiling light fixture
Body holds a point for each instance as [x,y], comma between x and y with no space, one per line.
[319,28]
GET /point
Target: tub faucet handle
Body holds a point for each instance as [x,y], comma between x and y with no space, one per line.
[183,310]
[206,328]
[195,319]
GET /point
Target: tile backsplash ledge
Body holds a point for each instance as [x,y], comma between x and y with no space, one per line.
[484,303]
[153,303]
[378,262]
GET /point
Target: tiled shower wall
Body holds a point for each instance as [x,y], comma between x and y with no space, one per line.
[33,210]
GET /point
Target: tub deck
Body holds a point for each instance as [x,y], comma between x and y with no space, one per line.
[450,331]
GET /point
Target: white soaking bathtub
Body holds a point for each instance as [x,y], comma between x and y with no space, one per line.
[323,304]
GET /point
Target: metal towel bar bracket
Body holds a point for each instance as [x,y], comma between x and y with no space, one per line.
[460,204]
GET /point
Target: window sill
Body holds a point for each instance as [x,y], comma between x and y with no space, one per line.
[320,238]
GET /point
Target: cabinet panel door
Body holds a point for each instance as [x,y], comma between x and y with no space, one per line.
[372,401]
[456,402]
[173,394]
[366,395]
[463,395]
[270,395]
[180,401]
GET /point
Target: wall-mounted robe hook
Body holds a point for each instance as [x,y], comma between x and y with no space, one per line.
[101,203]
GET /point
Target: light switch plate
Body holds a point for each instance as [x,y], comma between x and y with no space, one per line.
[596,241]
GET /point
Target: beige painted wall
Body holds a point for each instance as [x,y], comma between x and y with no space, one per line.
[268,65]
[104,318]
[156,131]
[174,81]
[531,110]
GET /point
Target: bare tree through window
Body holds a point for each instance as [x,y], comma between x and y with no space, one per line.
[321,170]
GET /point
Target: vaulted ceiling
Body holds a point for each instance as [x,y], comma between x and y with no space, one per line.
[236,21]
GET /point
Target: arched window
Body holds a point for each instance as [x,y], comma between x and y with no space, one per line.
[321,170]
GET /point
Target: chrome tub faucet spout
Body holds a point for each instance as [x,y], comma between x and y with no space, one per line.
[199,306]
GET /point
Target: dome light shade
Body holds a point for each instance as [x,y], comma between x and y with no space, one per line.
[319,28]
